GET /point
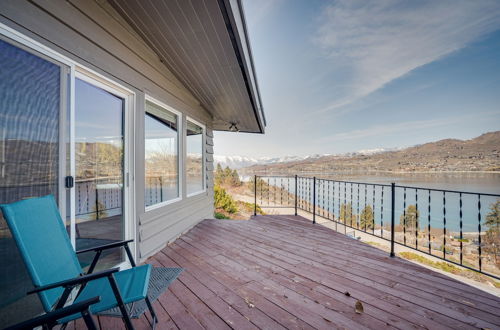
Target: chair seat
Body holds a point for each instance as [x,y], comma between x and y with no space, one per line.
[133,285]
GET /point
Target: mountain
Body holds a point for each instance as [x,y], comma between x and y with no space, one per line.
[237,162]
[479,154]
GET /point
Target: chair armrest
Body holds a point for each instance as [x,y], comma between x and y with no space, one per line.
[75,281]
[105,246]
[52,317]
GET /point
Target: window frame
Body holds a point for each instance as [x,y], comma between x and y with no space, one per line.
[203,155]
[180,170]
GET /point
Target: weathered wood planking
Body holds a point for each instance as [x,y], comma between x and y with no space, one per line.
[275,272]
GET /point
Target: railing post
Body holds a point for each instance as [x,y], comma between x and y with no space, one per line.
[96,201]
[314,200]
[393,202]
[296,191]
[255,195]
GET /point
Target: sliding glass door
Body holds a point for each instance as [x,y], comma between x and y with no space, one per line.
[59,126]
[99,170]
[33,100]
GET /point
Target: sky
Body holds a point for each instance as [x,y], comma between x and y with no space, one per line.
[349,75]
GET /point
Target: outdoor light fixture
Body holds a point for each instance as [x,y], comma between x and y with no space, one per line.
[233,127]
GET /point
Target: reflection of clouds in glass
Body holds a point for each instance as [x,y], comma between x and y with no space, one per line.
[98,113]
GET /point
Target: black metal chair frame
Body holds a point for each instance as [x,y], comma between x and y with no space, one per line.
[49,320]
[81,281]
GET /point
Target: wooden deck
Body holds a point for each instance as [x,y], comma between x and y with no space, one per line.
[277,272]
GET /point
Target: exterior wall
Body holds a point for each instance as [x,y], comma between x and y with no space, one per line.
[92,34]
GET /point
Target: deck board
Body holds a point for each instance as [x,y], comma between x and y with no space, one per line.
[276,272]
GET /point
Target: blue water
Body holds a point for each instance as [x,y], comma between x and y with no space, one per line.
[444,208]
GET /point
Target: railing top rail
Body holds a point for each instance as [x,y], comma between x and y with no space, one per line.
[449,191]
[384,185]
[275,176]
[343,181]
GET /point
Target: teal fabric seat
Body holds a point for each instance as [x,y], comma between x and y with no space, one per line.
[131,284]
[43,242]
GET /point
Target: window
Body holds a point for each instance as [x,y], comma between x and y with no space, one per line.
[161,129]
[194,160]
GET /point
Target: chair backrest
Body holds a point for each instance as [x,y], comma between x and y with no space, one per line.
[43,242]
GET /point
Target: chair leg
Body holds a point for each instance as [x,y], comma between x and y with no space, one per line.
[89,321]
[154,319]
[121,304]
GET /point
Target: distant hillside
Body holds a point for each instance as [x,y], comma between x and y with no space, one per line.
[478,154]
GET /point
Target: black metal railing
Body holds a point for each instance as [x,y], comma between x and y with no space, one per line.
[454,226]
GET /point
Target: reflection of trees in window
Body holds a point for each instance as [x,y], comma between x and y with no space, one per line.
[194,161]
[161,155]
[99,159]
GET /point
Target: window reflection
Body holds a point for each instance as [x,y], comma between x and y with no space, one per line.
[194,160]
[161,155]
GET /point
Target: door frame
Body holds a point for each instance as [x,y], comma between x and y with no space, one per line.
[99,80]
[128,204]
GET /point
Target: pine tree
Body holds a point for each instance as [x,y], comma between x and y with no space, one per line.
[346,214]
[366,218]
[410,218]
[492,236]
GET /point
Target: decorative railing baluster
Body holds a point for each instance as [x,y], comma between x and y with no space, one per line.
[429,222]
[358,215]
[373,202]
[416,218]
[351,208]
[444,225]
[328,198]
[323,197]
[404,217]
[479,232]
[366,196]
[333,204]
[461,233]
[382,212]
[345,205]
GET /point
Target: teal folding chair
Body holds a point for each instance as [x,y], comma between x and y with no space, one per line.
[43,242]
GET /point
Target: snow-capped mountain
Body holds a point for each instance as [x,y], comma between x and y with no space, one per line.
[236,162]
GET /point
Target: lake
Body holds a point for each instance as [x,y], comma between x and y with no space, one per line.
[444,208]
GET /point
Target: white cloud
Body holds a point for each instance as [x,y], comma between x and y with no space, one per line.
[407,126]
[379,41]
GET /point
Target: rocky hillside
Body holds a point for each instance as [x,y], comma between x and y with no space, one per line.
[478,154]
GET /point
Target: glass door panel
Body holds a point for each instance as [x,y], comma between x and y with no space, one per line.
[30,112]
[99,159]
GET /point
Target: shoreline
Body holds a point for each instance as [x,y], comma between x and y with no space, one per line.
[364,172]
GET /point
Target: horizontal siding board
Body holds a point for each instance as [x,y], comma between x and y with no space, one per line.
[169,234]
[100,13]
[86,32]
[55,33]
[210,132]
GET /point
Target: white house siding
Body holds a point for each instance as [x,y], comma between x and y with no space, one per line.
[92,34]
